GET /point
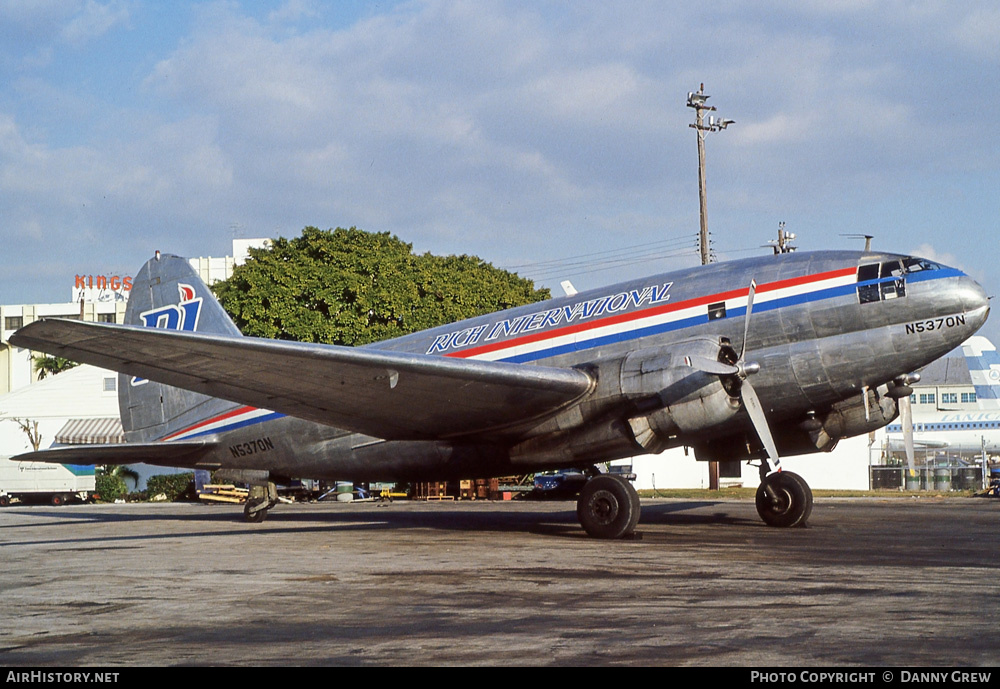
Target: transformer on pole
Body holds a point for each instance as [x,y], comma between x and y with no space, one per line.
[697,100]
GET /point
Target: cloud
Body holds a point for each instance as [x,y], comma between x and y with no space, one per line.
[978,32]
[294,10]
[491,128]
[32,30]
[93,20]
[927,251]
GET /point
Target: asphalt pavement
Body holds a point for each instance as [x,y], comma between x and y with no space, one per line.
[902,583]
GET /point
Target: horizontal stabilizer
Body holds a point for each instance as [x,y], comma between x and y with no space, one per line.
[176,454]
[384,394]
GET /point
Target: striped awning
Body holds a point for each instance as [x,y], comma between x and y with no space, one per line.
[91,432]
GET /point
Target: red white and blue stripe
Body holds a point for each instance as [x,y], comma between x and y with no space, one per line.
[227,421]
[662,318]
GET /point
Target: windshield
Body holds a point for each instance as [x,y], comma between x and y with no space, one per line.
[913,264]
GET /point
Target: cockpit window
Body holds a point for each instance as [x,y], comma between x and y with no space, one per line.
[892,269]
[914,265]
[883,281]
[895,287]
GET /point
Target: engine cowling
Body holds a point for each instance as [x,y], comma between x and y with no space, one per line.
[672,397]
[817,433]
[849,417]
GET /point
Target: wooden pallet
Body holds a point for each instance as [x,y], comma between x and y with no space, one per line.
[223,493]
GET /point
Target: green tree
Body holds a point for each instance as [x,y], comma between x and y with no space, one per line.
[352,287]
[44,365]
[110,482]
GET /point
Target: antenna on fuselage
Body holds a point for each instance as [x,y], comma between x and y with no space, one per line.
[867,237]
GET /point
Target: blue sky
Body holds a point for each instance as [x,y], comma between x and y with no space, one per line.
[517,131]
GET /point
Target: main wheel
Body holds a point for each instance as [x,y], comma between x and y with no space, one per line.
[792,503]
[57,499]
[608,507]
[4,500]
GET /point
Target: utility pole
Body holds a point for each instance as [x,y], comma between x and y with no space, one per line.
[697,100]
[783,245]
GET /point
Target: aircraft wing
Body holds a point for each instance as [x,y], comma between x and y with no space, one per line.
[379,393]
[175,454]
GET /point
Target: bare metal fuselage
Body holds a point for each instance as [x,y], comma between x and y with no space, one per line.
[828,340]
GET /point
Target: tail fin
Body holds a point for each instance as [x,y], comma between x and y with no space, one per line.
[167,293]
[984,368]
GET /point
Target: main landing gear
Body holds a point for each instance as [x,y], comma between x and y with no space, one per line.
[783,499]
[608,507]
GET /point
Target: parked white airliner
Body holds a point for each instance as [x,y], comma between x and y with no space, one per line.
[962,431]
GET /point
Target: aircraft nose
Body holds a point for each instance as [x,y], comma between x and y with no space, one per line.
[975,301]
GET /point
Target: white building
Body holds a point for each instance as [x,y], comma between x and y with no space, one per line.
[845,468]
[84,393]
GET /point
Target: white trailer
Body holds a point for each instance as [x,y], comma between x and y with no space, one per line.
[37,481]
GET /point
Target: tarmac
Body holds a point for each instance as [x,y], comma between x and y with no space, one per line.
[888,583]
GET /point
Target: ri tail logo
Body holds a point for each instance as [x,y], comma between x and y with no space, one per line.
[180,316]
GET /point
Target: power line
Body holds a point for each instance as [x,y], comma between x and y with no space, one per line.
[571,260]
[581,264]
[594,262]
[581,268]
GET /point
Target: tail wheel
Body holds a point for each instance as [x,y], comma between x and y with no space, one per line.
[608,507]
[253,513]
[784,499]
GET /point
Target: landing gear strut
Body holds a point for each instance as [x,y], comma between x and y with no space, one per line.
[259,501]
[608,507]
[783,499]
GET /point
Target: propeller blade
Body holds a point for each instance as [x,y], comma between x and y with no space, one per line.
[746,321]
[906,420]
[756,412]
[706,365]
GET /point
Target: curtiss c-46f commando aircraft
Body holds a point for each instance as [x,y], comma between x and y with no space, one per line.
[744,360]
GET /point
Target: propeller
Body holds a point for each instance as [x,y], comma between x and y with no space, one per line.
[748,396]
[906,419]
[900,390]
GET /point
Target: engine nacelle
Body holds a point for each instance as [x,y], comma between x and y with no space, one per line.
[849,417]
[820,433]
[672,397]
